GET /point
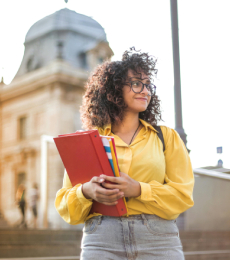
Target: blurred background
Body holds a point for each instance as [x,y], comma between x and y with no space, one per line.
[47,51]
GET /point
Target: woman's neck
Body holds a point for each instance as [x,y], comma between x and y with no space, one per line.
[128,125]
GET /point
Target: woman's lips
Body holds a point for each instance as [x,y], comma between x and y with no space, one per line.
[144,99]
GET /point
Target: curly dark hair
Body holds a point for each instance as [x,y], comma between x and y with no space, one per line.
[103,101]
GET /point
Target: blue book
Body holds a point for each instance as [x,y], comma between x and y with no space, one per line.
[108,152]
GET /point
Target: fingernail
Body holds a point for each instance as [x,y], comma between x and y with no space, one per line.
[101,180]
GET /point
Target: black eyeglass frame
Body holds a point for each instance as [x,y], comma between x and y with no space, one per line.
[153,87]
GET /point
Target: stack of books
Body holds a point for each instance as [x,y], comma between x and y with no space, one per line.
[86,154]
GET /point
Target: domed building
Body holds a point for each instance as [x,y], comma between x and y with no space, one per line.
[43,101]
[77,39]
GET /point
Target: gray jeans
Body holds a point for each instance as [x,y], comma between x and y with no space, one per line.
[138,237]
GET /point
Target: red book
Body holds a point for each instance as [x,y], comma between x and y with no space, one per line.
[84,157]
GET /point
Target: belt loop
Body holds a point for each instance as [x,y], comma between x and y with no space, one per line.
[99,220]
[144,219]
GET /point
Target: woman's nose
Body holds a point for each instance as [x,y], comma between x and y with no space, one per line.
[145,90]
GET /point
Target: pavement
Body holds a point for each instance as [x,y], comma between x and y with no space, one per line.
[213,252]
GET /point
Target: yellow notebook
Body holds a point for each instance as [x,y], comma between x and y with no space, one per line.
[115,162]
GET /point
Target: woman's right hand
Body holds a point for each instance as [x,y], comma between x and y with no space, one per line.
[93,190]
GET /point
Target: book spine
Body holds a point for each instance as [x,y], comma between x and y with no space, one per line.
[101,154]
[121,207]
[114,147]
[117,173]
[106,145]
[116,166]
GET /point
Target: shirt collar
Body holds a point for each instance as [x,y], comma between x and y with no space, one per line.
[147,125]
[106,130]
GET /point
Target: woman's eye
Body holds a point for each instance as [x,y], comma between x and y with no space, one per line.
[148,87]
[135,84]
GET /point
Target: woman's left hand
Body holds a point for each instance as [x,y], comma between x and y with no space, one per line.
[124,183]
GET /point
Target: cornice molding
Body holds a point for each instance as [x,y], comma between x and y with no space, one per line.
[56,71]
[19,155]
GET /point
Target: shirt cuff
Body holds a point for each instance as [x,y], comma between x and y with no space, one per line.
[146,192]
[81,196]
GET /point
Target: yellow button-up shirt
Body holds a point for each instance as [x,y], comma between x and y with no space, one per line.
[166,178]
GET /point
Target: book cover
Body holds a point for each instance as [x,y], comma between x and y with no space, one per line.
[84,157]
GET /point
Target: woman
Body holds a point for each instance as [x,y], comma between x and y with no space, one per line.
[120,101]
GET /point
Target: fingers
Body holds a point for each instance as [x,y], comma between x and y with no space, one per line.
[97,179]
[122,174]
[106,192]
[108,196]
[109,199]
[111,186]
[111,179]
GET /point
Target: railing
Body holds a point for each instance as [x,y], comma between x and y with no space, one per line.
[211,173]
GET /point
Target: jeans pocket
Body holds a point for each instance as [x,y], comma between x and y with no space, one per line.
[162,227]
[91,225]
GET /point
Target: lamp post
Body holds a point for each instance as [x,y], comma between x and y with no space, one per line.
[176,66]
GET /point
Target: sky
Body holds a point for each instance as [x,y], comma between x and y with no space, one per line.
[204,57]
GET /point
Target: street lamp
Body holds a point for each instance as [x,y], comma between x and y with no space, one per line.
[176,65]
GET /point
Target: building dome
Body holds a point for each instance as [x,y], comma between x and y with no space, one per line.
[63,20]
[74,38]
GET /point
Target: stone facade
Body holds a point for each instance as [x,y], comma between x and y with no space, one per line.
[211,209]
[44,101]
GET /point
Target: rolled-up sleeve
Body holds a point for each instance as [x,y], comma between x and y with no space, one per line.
[175,195]
[71,204]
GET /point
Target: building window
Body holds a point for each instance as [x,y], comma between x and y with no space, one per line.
[21,178]
[83,60]
[29,64]
[100,60]
[23,131]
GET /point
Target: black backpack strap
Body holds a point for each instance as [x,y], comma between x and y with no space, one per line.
[160,136]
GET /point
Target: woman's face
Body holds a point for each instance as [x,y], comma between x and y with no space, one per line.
[136,102]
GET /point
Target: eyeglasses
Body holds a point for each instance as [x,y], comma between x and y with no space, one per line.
[138,86]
